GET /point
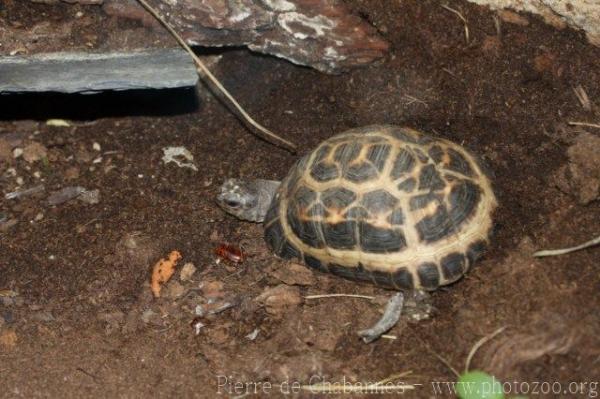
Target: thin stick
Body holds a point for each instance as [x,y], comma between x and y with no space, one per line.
[555,252]
[339,295]
[583,98]
[446,363]
[204,70]
[479,344]
[587,124]
[452,10]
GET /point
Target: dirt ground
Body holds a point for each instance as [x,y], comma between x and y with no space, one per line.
[77,318]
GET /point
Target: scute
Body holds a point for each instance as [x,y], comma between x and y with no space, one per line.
[429,178]
[429,275]
[346,152]
[386,205]
[453,266]
[274,237]
[308,231]
[315,263]
[380,240]
[361,172]
[324,172]
[407,185]
[396,217]
[378,154]
[342,271]
[403,279]
[340,235]
[403,164]
[463,199]
[458,163]
[404,135]
[435,227]
[379,201]
[338,198]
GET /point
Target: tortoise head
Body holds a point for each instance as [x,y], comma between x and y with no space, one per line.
[247,200]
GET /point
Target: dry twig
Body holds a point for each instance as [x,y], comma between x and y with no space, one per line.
[555,252]
[479,344]
[452,10]
[583,98]
[586,124]
[339,295]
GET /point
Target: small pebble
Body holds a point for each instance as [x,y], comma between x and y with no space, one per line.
[96,146]
[252,336]
[17,152]
[199,311]
[197,326]
[280,299]
[187,271]
[148,315]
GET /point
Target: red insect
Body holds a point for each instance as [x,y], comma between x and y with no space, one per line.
[231,253]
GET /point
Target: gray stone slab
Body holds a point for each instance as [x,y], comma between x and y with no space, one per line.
[94,72]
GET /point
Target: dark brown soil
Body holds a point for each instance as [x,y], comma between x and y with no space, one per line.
[81,323]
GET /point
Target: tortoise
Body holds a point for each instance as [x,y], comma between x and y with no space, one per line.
[383,204]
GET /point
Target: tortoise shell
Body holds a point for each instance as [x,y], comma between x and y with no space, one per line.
[384,204]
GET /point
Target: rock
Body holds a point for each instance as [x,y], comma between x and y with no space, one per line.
[150,317]
[581,176]
[293,274]
[34,152]
[187,271]
[72,173]
[7,224]
[64,194]
[175,290]
[280,299]
[91,197]
[212,289]
[89,73]
[218,335]
[180,156]
[579,14]
[323,34]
